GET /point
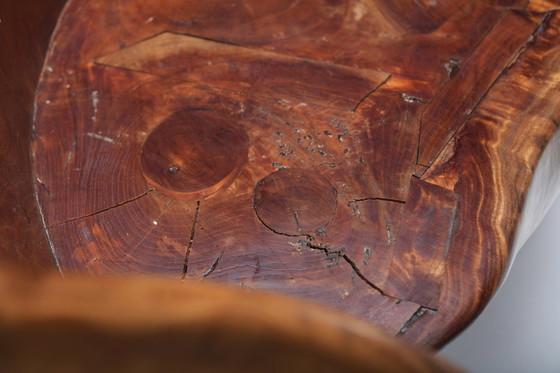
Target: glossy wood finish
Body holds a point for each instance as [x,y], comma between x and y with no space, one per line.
[495,151]
[443,92]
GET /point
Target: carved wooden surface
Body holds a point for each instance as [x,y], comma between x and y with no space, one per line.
[369,155]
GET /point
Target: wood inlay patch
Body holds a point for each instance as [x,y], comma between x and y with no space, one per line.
[194,153]
[248,70]
[295,202]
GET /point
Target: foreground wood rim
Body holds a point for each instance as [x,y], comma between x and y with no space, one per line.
[148,324]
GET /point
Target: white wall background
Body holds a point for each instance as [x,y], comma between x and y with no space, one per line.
[519,331]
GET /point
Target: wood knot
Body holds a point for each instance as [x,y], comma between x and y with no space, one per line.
[295,202]
[194,153]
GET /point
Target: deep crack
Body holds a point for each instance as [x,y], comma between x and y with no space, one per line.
[364,278]
[376,199]
[341,254]
[191,240]
[102,210]
[370,93]
[414,318]
[213,266]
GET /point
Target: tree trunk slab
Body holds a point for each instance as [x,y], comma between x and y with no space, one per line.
[373,156]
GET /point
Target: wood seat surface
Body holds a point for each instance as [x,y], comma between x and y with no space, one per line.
[372,156]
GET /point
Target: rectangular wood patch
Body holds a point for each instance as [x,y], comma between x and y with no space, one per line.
[422,244]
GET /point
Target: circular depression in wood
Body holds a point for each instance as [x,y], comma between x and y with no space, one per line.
[194,153]
[295,202]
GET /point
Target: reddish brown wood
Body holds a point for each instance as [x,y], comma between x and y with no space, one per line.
[543,5]
[342,151]
[25,29]
[194,153]
[295,202]
[420,254]
[456,100]
[87,324]
[495,151]
[257,72]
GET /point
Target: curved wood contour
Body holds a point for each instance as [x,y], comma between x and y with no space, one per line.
[427,123]
[92,324]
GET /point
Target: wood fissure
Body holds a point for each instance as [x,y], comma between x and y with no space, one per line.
[363,278]
[417,315]
[340,253]
[191,242]
[213,266]
[102,210]
[377,199]
[370,93]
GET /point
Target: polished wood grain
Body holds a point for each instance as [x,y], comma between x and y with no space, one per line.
[256,72]
[456,100]
[496,151]
[369,158]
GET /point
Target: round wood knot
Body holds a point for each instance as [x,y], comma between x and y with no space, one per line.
[194,153]
[295,202]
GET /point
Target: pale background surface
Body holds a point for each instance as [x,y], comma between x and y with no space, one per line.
[519,331]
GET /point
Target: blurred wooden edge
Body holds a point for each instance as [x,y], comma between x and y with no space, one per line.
[146,324]
[25,30]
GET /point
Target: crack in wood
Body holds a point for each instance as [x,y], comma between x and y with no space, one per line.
[46,230]
[191,240]
[44,186]
[414,318]
[376,199]
[213,266]
[370,93]
[364,278]
[103,210]
[296,217]
[341,254]
[100,137]
[298,225]
[410,99]
[152,227]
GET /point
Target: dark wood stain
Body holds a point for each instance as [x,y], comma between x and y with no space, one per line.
[24,35]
